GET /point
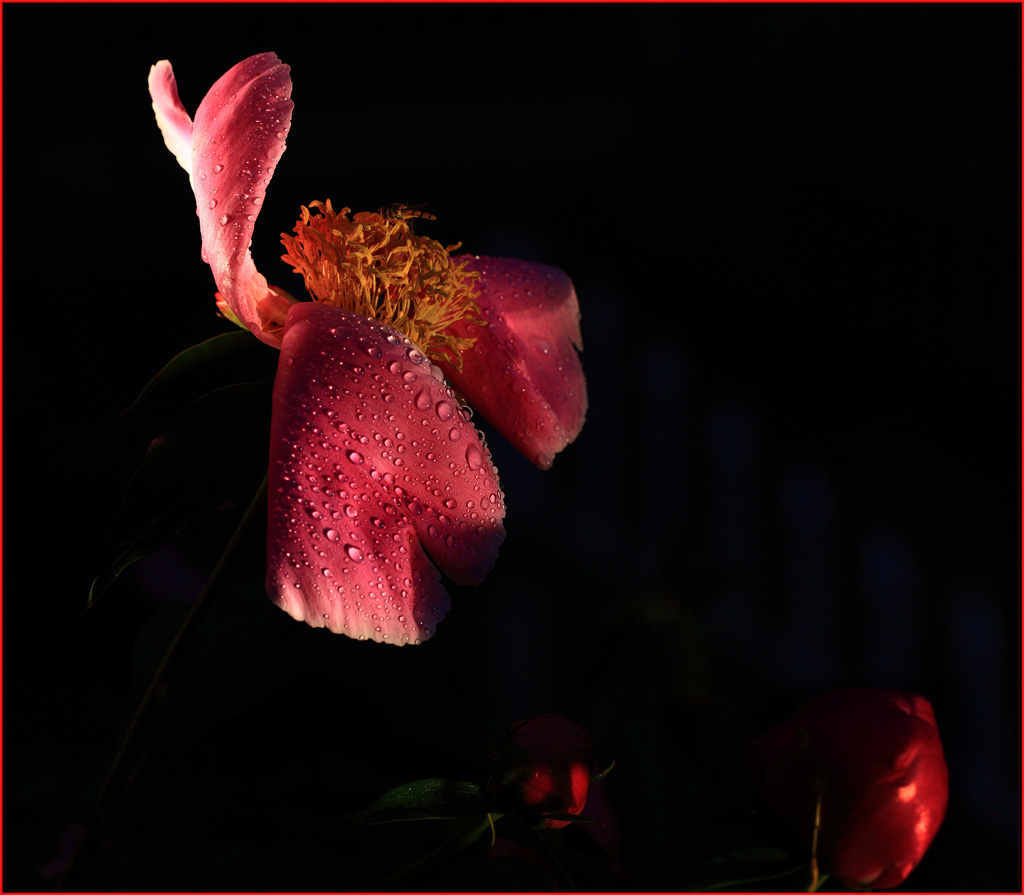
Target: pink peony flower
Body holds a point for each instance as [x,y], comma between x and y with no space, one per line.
[875,761]
[376,472]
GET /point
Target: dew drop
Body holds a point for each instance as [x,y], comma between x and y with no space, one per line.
[355,456]
[224,219]
[414,355]
[354,553]
[454,434]
[331,535]
[445,411]
[217,169]
[423,400]
[474,457]
[212,204]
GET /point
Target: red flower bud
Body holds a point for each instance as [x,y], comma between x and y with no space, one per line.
[874,759]
[543,766]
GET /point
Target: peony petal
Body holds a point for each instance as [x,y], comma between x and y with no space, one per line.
[239,135]
[523,373]
[236,140]
[372,463]
[171,117]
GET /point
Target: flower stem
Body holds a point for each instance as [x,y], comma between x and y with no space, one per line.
[118,779]
[460,840]
[566,879]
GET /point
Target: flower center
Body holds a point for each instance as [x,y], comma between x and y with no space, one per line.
[375,265]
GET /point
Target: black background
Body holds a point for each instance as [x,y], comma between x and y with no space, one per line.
[794,233]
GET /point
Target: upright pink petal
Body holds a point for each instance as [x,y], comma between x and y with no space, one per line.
[236,141]
[171,117]
[239,135]
[373,465]
[523,373]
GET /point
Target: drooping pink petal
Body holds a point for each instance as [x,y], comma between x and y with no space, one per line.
[523,373]
[172,119]
[373,466]
[237,139]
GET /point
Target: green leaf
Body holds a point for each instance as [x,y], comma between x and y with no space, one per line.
[431,799]
[603,773]
[216,443]
[192,359]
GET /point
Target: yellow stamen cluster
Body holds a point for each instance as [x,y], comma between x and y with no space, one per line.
[376,266]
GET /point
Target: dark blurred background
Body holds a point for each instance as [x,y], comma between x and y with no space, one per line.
[794,233]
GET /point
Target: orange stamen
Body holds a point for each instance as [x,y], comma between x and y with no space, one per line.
[375,265]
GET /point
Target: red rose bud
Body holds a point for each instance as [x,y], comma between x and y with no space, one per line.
[874,759]
[543,766]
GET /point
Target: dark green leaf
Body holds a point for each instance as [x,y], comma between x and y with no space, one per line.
[192,359]
[217,442]
[432,799]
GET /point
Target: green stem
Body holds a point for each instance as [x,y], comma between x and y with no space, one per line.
[566,879]
[154,693]
[464,837]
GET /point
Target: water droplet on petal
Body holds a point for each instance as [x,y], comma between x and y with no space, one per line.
[445,411]
[355,456]
[331,535]
[354,553]
[423,400]
[212,204]
[454,434]
[414,355]
[224,219]
[217,169]
[474,457]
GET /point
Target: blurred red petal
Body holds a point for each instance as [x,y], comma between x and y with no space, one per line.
[373,465]
[523,373]
[877,759]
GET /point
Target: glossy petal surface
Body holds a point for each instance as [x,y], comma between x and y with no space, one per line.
[171,117]
[878,755]
[373,466]
[523,373]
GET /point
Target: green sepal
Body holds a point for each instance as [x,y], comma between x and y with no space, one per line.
[601,775]
[430,799]
[192,359]
[217,441]
[743,869]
